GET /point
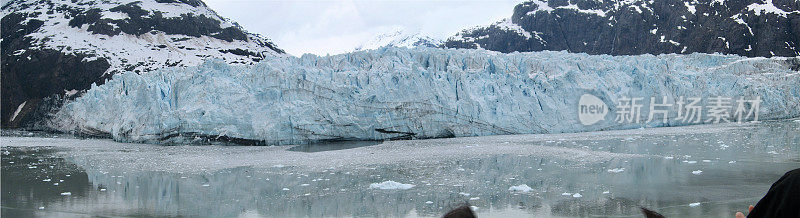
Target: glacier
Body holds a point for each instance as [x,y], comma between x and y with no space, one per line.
[402,93]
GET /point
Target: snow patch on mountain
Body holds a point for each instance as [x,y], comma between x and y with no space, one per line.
[597,12]
[505,25]
[540,6]
[768,8]
[510,26]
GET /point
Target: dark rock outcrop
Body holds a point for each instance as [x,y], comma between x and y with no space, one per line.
[750,28]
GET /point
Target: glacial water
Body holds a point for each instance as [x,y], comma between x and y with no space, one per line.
[695,171]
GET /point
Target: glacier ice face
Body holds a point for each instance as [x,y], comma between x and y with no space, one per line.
[410,93]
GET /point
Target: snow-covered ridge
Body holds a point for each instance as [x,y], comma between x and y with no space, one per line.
[400,37]
[410,93]
[505,25]
[138,35]
[543,6]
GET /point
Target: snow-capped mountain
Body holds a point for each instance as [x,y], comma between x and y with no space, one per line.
[400,38]
[56,48]
[751,28]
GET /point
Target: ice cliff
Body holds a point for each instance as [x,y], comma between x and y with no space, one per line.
[395,93]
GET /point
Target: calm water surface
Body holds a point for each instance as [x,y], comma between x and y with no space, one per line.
[701,171]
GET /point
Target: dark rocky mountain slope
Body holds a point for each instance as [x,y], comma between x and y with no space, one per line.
[750,28]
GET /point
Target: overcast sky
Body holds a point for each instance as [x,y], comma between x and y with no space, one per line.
[333,27]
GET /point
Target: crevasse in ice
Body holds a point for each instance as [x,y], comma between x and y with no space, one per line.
[413,93]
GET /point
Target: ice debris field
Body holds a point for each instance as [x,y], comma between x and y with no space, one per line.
[399,93]
[601,174]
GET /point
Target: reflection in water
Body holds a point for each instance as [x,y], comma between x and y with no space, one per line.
[737,165]
[334,145]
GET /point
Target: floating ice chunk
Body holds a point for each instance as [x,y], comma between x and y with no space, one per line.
[706,161]
[694,204]
[616,170]
[697,172]
[474,198]
[669,157]
[520,188]
[732,162]
[41,208]
[285,189]
[691,162]
[429,202]
[566,194]
[577,195]
[46,180]
[305,184]
[66,193]
[464,194]
[390,185]
[55,184]
[606,192]
[206,185]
